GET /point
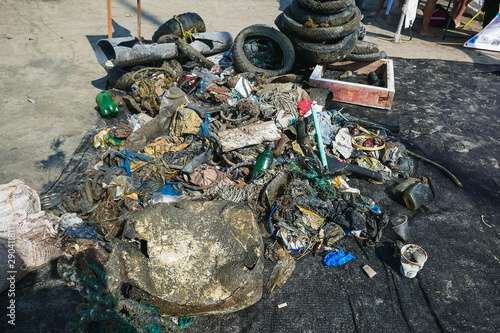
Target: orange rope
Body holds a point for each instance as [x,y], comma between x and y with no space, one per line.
[12,189]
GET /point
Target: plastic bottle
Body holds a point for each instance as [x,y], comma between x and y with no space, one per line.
[205,74]
[159,197]
[263,163]
[416,195]
[173,97]
[106,105]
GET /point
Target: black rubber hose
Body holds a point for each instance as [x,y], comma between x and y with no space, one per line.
[187,50]
[367,57]
[364,47]
[335,166]
[304,143]
[363,122]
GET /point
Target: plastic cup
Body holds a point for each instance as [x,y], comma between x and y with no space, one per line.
[401,227]
[413,258]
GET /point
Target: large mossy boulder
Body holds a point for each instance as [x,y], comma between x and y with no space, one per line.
[190,258]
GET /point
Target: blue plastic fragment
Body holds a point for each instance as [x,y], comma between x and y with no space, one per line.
[125,165]
[376,209]
[204,128]
[168,189]
[130,155]
[126,156]
[337,258]
[83,231]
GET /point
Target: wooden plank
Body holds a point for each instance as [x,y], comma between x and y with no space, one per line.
[389,76]
[110,21]
[356,94]
[359,67]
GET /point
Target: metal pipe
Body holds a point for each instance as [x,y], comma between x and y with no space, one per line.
[139,21]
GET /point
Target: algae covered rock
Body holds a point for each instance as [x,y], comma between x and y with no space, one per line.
[190,258]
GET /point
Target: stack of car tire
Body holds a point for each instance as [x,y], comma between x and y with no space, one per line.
[325,31]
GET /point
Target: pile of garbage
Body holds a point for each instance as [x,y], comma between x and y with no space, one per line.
[209,147]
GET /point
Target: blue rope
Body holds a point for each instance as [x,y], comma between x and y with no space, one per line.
[270,226]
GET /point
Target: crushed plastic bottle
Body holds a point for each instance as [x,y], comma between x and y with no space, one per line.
[159,197]
[205,74]
[173,97]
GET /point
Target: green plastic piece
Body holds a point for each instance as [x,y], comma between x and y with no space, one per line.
[108,108]
[185,321]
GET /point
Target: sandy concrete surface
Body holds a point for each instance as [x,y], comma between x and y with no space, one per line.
[50,75]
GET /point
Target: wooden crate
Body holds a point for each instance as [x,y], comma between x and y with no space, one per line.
[356,93]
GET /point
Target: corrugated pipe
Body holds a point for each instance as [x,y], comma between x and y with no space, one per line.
[127,51]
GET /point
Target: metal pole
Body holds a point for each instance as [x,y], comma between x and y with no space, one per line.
[404,10]
[110,23]
[139,21]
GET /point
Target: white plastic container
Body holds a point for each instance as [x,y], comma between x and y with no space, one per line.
[413,258]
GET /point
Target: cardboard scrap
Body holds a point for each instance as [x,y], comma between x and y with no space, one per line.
[369,271]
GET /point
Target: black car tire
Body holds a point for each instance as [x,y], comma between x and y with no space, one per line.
[324,7]
[243,64]
[325,20]
[293,28]
[319,53]
[172,27]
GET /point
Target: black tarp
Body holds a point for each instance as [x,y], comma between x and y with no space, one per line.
[448,112]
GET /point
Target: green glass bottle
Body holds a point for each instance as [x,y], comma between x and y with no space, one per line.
[263,163]
[106,105]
